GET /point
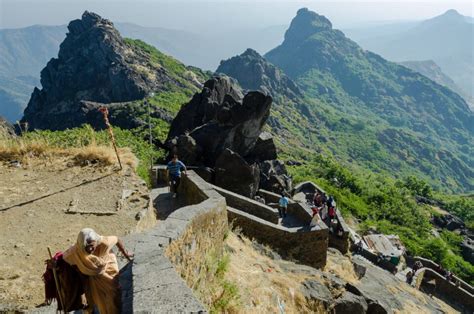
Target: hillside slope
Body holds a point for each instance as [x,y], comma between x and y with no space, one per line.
[381,114]
[431,70]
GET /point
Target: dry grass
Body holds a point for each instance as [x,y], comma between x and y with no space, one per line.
[263,286]
[27,150]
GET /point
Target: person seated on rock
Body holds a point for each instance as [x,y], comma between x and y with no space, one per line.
[174,173]
[283,205]
[92,255]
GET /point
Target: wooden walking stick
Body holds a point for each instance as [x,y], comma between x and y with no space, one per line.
[105,112]
[56,281]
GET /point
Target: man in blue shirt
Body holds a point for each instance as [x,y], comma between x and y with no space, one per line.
[283,205]
[174,172]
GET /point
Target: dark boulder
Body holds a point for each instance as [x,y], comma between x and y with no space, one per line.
[316,292]
[467,250]
[274,177]
[265,148]
[449,222]
[233,173]
[350,303]
[218,94]
[219,118]
[187,149]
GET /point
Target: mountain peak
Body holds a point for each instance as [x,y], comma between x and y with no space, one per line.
[88,21]
[253,72]
[306,23]
[449,17]
[451,12]
[251,53]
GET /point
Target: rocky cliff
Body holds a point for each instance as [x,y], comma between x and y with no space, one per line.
[96,66]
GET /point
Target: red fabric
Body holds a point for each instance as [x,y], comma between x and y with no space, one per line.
[331,212]
[315,210]
[50,291]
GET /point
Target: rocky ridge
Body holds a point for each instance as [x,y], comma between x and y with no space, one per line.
[96,66]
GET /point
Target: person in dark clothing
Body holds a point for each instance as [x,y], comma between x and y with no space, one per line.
[410,276]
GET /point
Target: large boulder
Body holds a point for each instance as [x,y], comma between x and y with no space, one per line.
[350,303]
[467,249]
[274,177]
[233,173]
[265,148]
[316,293]
[218,94]
[219,118]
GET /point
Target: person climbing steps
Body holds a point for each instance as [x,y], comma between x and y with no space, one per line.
[174,173]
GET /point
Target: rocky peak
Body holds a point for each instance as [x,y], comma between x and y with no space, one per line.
[95,66]
[253,72]
[305,24]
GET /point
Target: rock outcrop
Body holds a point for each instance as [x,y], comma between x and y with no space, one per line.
[221,128]
[95,66]
[233,173]
[274,177]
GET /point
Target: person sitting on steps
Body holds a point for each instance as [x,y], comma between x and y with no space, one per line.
[174,173]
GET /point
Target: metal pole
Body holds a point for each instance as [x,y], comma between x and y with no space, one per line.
[150,136]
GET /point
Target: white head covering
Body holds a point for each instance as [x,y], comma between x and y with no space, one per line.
[87,235]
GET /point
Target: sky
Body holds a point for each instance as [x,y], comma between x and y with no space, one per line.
[202,16]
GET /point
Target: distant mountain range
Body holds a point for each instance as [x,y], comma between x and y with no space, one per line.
[447,39]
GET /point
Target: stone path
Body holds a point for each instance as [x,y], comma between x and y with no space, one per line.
[164,202]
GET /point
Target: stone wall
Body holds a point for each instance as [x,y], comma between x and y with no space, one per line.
[432,265]
[434,283]
[170,257]
[304,244]
[338,239]
[249,205]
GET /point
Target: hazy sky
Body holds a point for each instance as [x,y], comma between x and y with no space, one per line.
[202,16]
